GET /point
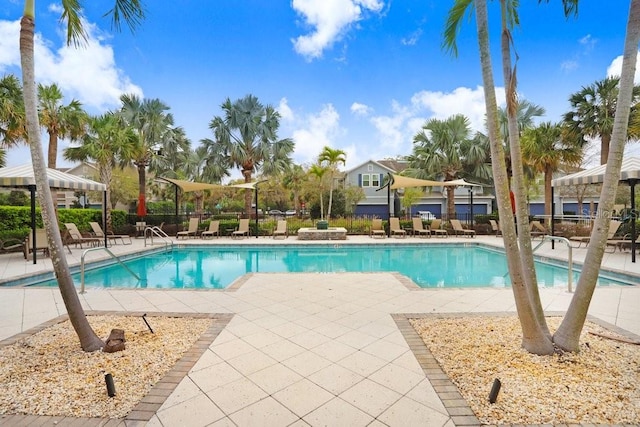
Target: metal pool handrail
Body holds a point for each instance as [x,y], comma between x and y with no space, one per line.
[82,291]
[158,232]
[569,256]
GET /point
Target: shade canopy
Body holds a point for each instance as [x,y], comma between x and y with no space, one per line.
[23,177]
[188,186]
[399,181]
[630,170]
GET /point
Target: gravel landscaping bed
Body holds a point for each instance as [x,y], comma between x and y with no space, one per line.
[598,385]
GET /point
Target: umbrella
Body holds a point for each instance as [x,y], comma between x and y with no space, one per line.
[142,208]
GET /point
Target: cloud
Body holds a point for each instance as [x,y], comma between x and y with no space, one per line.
[568,65]
[286,114]
[329,20]
[413,38]
[88,74]
[360,109]
[312,132]
[615,68]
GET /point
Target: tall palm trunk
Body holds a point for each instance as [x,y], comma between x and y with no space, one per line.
[105,172]
[89,341]
[519,187]
[567,337]
[330,196]
[246,172]
[142,182]
[532,339]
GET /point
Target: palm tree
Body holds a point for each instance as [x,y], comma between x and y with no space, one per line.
[330,158]
[593,110]
[441,150]
[153,125]
[60,121]
[293,179]
[109,144]
[567,337]
[12,121]
[545,150]
[319,172]
[130,11]
[247,138]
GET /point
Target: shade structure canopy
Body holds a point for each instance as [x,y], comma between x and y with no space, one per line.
[23,177]
[188,186]
[400,181]
[629,173]
[630,170]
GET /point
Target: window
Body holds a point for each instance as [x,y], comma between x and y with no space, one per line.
[375,180]
[370,180]
[366,181]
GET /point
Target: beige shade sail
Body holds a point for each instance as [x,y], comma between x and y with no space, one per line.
[188,186]
[399,181]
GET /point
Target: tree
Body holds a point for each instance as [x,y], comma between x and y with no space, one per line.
[567,337]
[442,148]
[410,197]
[60,121]
[131,11]
[247,137]
[546,149]
[153,125]
[593,110]
[331,158]
[12,121]
[318,171]
[293,179]
[109,144]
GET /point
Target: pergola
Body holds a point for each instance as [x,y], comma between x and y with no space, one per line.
[23,177]
[629,173]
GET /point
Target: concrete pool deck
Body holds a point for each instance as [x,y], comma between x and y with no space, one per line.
[307,349]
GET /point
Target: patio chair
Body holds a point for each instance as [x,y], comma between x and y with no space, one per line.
[191,231]
[396,230]
[97,232]
[377,230]
[418,228]
[41,242]
[281,229]
[459,229]
[537,229]
[614,225]
[213,230]
[76,238]
[436,228]
[495,227]
[243,229]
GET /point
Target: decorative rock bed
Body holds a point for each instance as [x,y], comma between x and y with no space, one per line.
[332,233]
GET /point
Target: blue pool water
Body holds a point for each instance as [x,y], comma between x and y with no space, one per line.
[216,267]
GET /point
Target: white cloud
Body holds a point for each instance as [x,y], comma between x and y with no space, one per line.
[361,109]
[413,38]
[286,114]
[330,19]
[88,73]
[314,131]
[615,68]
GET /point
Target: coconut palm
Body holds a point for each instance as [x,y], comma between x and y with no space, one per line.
[592,113]
[545,149]
[59,120]
[247,137]
[129,11]
[109,144]
[331,158]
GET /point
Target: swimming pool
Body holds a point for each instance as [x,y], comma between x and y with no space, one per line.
[216,267]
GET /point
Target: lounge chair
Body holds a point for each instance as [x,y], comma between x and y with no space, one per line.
[614,225]
[281,229]
[41,242]
[191,231]
[436,228]
[459,229]
[97,232]
[623,244]
[76,238]
[243,229]
[495,227]
[213,230]
[537,229]
[395,229]
[377,230]
[418,228]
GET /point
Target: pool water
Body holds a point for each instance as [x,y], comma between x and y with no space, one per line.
[216,267]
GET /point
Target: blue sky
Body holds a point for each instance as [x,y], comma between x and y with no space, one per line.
[359,75]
